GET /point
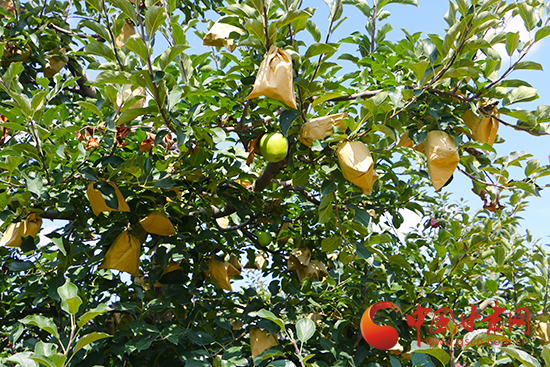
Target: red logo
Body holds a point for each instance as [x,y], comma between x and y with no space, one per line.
[379,336]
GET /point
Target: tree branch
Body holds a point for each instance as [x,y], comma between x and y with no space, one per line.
[84,90]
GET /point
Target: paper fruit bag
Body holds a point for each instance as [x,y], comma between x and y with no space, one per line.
[98,202]
[442,155]
[260,342]
[123,254]
[221,272]
[357,165]
[158,223]
[320,127]
[274,79]
[15,231]
[127,31]
[121,98]
[484,128]
[218,36]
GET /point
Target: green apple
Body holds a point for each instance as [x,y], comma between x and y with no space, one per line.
[264,238]
[274,147]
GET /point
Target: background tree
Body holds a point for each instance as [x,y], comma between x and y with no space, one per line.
[158,157]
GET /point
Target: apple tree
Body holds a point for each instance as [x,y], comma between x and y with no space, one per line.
[149,159]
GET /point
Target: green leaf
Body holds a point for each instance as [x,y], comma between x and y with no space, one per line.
[113,76]
[23,359]
[265,314]
[67,290]
[90,107]
[291,16]
[300,177]
[242,10]
[383,3]
[169,55]
[546,355]
[325,209]
[463,6]
[521,94]
[528,65]
[542,33]
[320,48]
[90,315]
[126,7]
[286,119]
[512,41]
[532,166]
[34,184]
[305,328]
[88,339]
[314,30]
[70,300]
[528,15]
[331,244]
[325,97]
[521,356]
[394,361]
[42,322]
[131,114]
[440,354]
[154,18]
[100,49]
[136,45]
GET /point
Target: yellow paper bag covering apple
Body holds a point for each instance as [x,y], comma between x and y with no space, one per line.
[28,227]
[221,272]
[299,257]
[121,98]
[407,142]
[484,128]
[223,222]
[260,342]
[234,260]
[274,79]
[98,202]
[315,269]
[357,165]
[123,254]
[172,266]
[57,62]
[127,31]
[542,331]
[259,262]
[442,155]
[218,35]
[12,53]
[158,223]
[320,127]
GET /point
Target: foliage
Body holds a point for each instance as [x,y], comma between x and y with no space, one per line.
[189,150]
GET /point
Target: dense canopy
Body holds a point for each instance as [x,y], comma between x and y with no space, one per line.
[164,195]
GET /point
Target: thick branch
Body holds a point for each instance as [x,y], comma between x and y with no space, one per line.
[267,175]
[84,90]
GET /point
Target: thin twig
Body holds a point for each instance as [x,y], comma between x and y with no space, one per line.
[326,40]
[481,181]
